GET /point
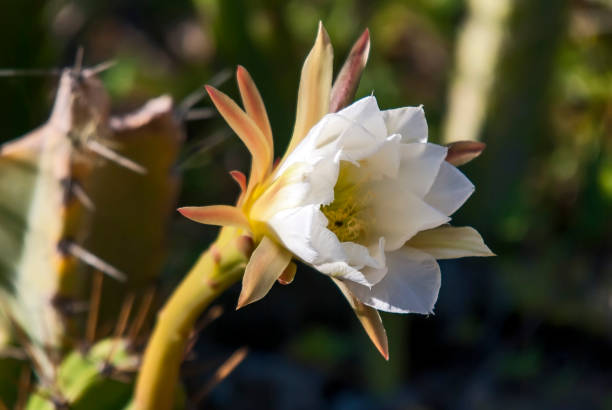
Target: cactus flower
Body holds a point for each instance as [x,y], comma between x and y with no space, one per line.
[360,195]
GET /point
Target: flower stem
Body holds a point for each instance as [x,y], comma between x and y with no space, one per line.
[217,268]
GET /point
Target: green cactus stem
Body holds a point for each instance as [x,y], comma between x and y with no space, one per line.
[217,268]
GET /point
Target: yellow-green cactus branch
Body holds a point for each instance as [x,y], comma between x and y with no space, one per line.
[218,268]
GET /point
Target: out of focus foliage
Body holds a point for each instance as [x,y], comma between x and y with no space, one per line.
[531,328]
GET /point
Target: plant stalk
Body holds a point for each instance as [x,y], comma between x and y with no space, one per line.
[217,268]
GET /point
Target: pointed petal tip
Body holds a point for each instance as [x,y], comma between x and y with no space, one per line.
[241,73]
[187,211]
[240,304]
[244,300]
[322,34]
[212,91]
[488,252]
[364,39]
[382,346]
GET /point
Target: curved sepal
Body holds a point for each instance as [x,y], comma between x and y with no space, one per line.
[369,318]
[266,265]
[220,215]
[241,180]
[347,81]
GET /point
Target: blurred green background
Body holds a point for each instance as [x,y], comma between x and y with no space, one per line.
[530,328]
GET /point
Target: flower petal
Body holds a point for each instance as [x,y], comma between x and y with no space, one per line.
[360,265]
[369,318]
[266,265]
[220,215]
[365,114]
[409,122]
[386,161]
[300,184]
[346,134]
[398,214]
[411,286]
[315,87]
[448,242]
[450,190]
[298,229]
[347,80]
[420,164]
[254,105]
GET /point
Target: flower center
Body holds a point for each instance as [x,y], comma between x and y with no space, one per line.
[348,216]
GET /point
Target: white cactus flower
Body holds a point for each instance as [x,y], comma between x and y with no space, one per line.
[360,195]
[351,196]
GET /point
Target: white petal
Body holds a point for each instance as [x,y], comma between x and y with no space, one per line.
[355,142]
[411,285]
[352,134]
[342,270]
[409,122]
[359,256]
[375,273]
[384,162]
[369,261]
[294,228]
[321,181]
[361,265]
[450,190]
[306,151]
[366,112]
[399,214]
[446,242]
[420,163]
[300,185]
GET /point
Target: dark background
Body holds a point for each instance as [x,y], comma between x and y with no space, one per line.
[530,328]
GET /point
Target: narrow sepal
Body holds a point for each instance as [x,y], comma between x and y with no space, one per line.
[347,81]
[369,318]
[221,215]
[254,105]
[315,87]
[247,131]
[241,180]
[462,152]
[266,265]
